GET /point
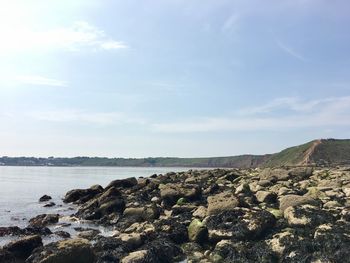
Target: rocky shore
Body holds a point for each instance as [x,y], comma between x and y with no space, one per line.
[297,214]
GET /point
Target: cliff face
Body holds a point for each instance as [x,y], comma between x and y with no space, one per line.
[327,152]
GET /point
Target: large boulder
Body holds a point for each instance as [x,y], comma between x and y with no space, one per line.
[295,200]
[82,195]
[142,213]
[123,183]
[300,173]
[157,251]
[44,220]
[67,251]
[45,198]
[239,224]
[276,174]
[225,201]
[197,231]
[230,251]
[170,192]
[22,248]
[307,215]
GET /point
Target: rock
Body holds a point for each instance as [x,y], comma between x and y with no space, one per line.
[300,173]
[276,174]
[157,251]
[239,224]
[197,232]
[277,243]
[201,212]
[89,234]
[243,189]
[109,249]
[264,183]
[123,183]
[133,240]
[44,220]
[306,215]
[142,213]
[181,201]
[112,206]
[228,251]
[12,230]
[62,234]
[171,229]
[170,193]
[82,195]
[45,198]
[51,204]
[332,204]
[141,256]
[22,248]
[67,251]
[295,200]
[155,199]
[222,202]
[266,197]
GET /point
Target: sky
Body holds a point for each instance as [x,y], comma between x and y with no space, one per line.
[186,78]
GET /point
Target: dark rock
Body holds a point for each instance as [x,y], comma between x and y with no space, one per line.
[82,195]
[123,183]
[62,234]
[22,248]
[239,224]
[171,229]
[157,251]
[10,231]
[266,197]
[197,232]
[228,251]
[45,198]
[67,251]
[110,249]
[44,220]
[307,215]
[51,204]
[89,234]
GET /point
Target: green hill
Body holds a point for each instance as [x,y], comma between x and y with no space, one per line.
[318,152]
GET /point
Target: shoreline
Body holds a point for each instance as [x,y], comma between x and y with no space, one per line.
[207,215]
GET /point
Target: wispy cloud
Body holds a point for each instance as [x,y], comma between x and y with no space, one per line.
[290,51]
[81,116]
[81,35]
[230,23]
[287,103]
[325,113]
[40,80]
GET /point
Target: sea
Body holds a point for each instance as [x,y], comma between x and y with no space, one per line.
[21,187]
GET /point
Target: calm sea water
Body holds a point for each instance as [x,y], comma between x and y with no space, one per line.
[21,187]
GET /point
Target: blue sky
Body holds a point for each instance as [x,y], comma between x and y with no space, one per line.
[171,78]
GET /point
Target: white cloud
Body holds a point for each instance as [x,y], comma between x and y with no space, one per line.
[290,51]
[230,23]
[81,35]
[325,113]
[40,80]
[81,116]
[287,103]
